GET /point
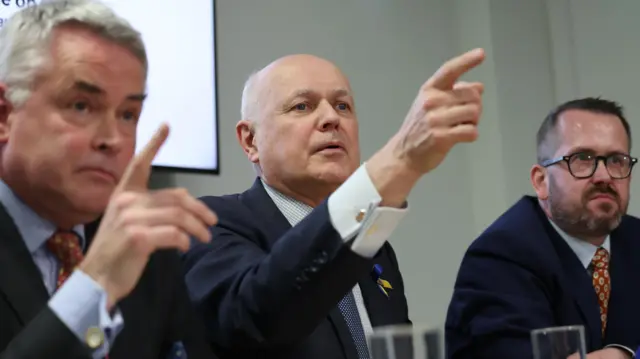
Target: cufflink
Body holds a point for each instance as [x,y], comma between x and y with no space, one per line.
[360,215]
[94,337]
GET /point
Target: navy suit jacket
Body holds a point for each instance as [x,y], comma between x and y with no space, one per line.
[267,290]
[520,275]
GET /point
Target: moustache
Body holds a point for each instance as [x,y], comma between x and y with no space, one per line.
[603,189]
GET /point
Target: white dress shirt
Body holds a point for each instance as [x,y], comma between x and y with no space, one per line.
[354,211]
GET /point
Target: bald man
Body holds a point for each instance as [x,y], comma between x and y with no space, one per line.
[300,266]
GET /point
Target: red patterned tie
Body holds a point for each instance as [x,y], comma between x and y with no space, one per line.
[602,283]
[65,245]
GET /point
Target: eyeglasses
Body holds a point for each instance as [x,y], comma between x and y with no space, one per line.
[583,165]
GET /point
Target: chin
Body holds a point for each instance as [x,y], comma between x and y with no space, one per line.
[334,177]
[338,171]
[93,200]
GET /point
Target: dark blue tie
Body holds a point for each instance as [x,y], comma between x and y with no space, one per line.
[350,313]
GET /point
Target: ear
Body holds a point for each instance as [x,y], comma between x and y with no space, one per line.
[245,132]
[539,181]
[5,110]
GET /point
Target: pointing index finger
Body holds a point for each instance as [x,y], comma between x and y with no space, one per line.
[450,71]
[138,171]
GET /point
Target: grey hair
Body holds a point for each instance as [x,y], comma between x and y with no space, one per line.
[249,101]
[24,40]
[249,105]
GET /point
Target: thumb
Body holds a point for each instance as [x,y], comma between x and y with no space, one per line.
[137,174]
[477,86]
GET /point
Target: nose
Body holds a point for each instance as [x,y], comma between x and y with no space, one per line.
[108,138]
[329,118]
[601,174]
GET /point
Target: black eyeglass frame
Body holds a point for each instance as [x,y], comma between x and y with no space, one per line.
[604,159]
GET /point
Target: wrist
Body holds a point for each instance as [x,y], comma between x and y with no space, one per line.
[102,281]
[391,176]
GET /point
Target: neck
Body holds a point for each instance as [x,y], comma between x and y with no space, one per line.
[54,210]
[595,240]
[598,242]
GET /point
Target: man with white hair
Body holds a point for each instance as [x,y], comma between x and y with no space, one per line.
[300,266]
[88,260]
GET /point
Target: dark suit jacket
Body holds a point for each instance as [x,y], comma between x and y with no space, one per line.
[267,290]
[521,275]
[156,314]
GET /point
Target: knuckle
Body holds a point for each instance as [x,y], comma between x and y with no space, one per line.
[435,118]
[178,215]
[176,195]
[438,137]
[135,237]
[174,233]
[183,238]
[127,218]
[471,135]
[122,200]
[431,101]
[475,111]
[470,95]
[180,192]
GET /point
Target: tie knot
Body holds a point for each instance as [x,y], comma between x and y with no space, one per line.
[65,245]
[600,259]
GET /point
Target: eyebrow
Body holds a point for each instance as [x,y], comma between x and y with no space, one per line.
[582,149]
[85,86]
[340,92]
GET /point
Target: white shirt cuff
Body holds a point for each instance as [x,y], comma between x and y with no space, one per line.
[354,211]
[81,304]
[622,347]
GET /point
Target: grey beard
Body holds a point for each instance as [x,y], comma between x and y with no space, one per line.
[581,222]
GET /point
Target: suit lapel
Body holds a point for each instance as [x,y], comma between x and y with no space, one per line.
[622,295]
[344,335]
[576,279]
[579,284]
[20,280]
[272,220]
[372,300]
[377,303]
[276,225]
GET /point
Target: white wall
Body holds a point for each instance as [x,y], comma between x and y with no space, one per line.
[597,53]
[388,49]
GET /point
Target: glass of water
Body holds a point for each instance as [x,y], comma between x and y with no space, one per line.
[405,342]
[559,343]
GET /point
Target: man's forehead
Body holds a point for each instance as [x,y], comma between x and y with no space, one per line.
[79,55]
[299,72]
[587,129]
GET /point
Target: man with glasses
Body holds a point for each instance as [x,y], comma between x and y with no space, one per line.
[571,256]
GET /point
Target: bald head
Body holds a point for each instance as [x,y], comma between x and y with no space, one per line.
[299,127]
[258,88]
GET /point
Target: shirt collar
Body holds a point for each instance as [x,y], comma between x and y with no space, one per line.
[35,230]
[293,210]
[583,249]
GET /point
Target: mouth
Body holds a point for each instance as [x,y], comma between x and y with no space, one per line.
[603,196]
[101,173]
[331,147]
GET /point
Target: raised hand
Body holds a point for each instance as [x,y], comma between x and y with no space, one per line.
[138,222]
[444,113]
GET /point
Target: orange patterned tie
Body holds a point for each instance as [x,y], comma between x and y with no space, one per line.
[602,283]
[65,245]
